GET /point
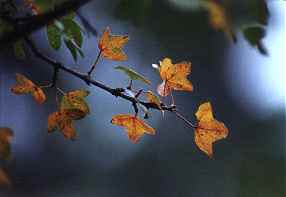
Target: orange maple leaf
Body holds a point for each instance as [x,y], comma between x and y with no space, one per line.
[72,107]
[26,86]
[134,127]
[174,77]
[209,130]
[111,46]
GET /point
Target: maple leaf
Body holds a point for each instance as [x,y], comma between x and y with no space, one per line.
[174,77]
[72,107]
[61,121]
[26,86]
[209,130]
[5,137]
[134,127]
[4,178]
[219,19]
[111,46]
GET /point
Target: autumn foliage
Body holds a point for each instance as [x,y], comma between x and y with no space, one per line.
[65,31]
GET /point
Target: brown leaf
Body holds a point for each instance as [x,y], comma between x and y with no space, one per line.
[4,179]
[134,127]
[26,86]
[111,46]
[6,135]
[209,130]
[61,121]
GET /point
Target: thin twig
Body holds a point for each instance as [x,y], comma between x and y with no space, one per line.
[184,119]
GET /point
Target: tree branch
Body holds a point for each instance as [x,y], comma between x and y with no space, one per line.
[118,92]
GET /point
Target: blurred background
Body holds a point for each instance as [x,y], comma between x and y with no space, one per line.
[246,88]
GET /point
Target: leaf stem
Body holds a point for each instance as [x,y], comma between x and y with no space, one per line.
[94,64]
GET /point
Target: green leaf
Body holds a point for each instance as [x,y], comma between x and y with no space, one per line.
[71,48]
[73,30]
[254,36]
[19,50]
[132,74]
[4,27]
[54,36]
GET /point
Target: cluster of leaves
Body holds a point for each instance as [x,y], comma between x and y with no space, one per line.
[72,105]
[65,29]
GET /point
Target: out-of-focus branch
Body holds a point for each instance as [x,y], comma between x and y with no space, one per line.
[86,24]
[33,23]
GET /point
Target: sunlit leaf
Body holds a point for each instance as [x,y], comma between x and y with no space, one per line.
[111,46]
[208,130]
[174,77]
[134,127]
[6,135]
[132,74]
[26,86]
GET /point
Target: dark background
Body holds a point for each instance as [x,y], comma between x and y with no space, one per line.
[246,89]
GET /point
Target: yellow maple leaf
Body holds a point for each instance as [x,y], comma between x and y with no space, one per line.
[208,130]
[134,127]
[26,86]
[111,46]
[174,77]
